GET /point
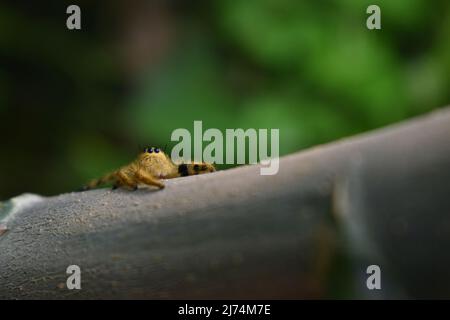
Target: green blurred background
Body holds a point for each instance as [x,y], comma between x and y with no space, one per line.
[76,104]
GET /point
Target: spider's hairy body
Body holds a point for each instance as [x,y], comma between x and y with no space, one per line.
[149,168]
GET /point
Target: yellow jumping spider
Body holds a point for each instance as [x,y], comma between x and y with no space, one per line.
[149,168]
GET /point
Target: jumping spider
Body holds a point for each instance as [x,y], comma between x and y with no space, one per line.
[151,165]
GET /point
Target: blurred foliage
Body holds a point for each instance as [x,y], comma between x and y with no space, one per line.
[75,104]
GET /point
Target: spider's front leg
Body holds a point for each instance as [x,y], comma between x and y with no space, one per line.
[146,178]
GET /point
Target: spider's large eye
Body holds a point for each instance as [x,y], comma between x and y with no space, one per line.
[150,150]
[156,150]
